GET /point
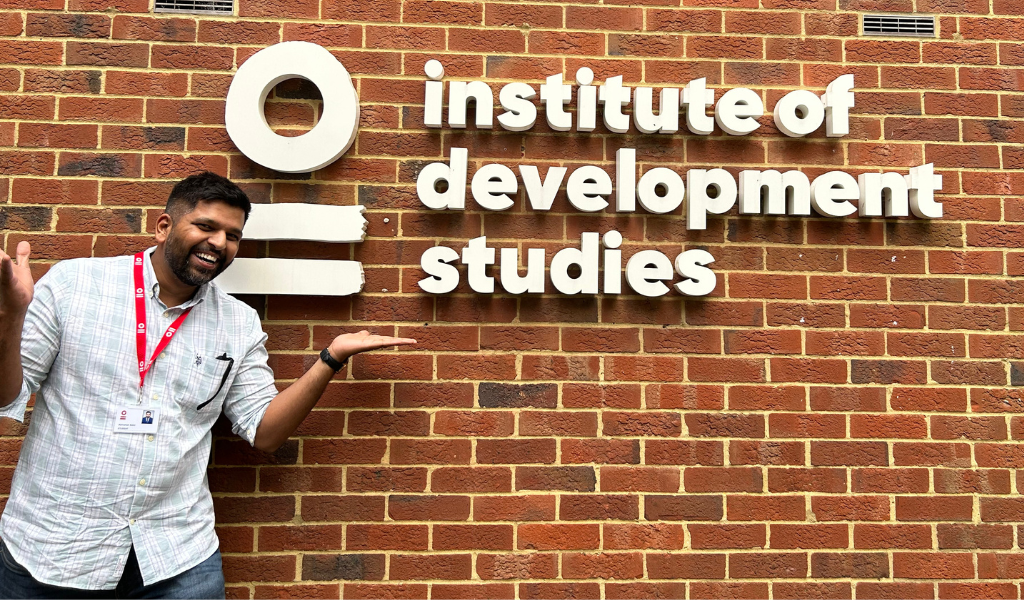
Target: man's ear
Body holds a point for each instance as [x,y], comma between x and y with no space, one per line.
[164,223]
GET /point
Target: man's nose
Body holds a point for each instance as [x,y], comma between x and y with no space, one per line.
[218,239]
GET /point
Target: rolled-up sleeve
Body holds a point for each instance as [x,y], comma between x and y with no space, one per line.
[252,388]
[40,339]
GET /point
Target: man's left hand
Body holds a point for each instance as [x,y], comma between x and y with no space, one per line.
[350,344]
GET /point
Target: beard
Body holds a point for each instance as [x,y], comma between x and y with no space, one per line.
[177,257]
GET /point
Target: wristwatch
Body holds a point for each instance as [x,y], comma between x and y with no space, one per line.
[325,355]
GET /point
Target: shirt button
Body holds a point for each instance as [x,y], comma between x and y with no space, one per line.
[131,522]
[142,482]
[156,396]
[167,314]
[149,438]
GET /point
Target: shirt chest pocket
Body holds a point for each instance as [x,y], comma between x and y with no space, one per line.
[207,384]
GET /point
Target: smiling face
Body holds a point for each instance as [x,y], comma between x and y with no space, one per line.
[200,244]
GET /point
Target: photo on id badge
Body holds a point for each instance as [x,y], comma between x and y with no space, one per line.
[133,419]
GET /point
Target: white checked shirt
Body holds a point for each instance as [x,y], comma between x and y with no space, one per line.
[83,495]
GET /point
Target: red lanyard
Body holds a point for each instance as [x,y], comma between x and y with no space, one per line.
[140,324]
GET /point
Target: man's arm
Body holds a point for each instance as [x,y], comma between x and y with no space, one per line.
[291,406]
[16,290]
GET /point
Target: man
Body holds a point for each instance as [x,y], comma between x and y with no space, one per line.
[147,419]
[100,505]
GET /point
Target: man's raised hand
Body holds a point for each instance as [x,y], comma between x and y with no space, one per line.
[16,285]
[349,344]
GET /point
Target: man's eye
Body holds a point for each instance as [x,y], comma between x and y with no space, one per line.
[204,227]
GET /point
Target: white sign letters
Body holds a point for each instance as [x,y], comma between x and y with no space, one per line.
[588,188]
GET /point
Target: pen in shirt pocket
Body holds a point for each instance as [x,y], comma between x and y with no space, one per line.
[231,363]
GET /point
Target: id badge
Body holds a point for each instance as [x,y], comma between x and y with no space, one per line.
[133,419]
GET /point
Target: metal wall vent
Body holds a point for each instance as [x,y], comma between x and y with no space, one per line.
[216,7]
[899,25]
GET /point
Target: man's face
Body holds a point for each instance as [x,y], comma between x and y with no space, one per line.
[199,245]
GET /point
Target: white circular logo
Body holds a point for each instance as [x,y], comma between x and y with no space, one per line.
[142,326]
[317,148]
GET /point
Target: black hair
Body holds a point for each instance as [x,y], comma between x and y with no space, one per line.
[188,192]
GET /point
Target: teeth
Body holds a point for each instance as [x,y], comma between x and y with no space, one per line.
[206,257]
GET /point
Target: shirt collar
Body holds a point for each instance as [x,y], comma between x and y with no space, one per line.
[149,277]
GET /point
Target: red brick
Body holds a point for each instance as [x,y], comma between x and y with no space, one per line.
[933,508]
[725,47]
[727,536]
[895,590]
[968,481]
[725,479]
[888,426]
[851,398]
[385,479]
[556,478]
[471,40]
[634,424]
[922,565]
[617,565]
[602,451]
[306,537]
[818,479]
[970,536]
[517,566]
[515,451]
[259,568]
[523,508]
[21,52]
[454,480]
[725,369]
[809,536]
[559,424]
[107,110]
[759,565]
[902,537]
[639,479]
[686,566]
[766,508]
[349,508]
[425,566]
[472,537]
[530,591]
[849,564]
[850,508]
[558,536]
[371,590]
[655,536]
[424,508]
[788,425]
[929,399]
[932,454]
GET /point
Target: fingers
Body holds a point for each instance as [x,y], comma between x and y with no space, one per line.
[6,267]
[401,341]
[23,251]
[384,342]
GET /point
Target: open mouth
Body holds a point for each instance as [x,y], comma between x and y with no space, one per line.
[206,259]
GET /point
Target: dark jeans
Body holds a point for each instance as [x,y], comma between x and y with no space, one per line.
[205,580]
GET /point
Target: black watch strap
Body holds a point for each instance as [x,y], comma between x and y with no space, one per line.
[325,355]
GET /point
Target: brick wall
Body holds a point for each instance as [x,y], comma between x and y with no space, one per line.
[839,418]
